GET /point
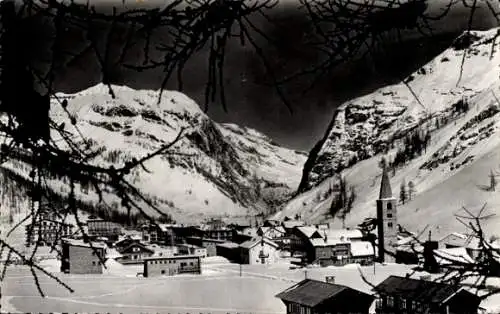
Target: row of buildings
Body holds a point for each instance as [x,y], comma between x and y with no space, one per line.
[313,244]
[401,295]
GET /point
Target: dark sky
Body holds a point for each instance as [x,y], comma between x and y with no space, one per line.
[250,102]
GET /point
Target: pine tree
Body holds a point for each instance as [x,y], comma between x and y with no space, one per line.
[347,207]
[11,217]
[493,181]
[402,192]
[411,190]
[382,163]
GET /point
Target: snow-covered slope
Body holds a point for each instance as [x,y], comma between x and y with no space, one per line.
[214,170]
[452,168]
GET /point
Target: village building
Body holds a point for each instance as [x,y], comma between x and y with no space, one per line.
[230,251]
[132,251]
[328,252]
[99,228]
[260,250]
[78,257]
[300,239]
[209,244]
[407,296]
[191,249]
[220,233]
[47,231]
[277,234]
[290,224]
[362,252]
[172,265]
[316,297]
[387,227]
[158,233]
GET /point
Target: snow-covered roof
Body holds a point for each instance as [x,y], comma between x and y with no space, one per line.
[289,224]
[171,257]
[74,242]
[253,242]
[361,248]
[462,240]
[448,256]
[250,231]
[318,242]
[113,253]
[343,233]
[308,231]
[229,245]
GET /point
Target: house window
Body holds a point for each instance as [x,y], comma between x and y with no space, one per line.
[389,215]
[163,271]
[403,303]
[389,205]
[390,301]
[389,224]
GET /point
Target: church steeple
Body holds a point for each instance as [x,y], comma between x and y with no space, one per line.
[385,186]
[386,221]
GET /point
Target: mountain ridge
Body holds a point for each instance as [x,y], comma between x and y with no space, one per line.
[432,128]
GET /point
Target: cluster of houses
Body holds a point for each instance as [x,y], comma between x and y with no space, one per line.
[176,248]
[170,249]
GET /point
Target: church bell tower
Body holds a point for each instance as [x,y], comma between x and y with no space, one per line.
[386,221]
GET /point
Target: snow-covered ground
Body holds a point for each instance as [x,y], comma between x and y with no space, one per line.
[219,289]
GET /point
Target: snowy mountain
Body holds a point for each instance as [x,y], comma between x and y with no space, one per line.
[214,170]
[438,129]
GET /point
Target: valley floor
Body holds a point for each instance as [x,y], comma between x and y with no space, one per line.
[220,289]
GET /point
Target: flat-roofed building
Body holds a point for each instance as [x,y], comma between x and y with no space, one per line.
[172,265]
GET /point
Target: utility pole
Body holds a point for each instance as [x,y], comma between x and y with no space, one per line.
[305,273]
[241,270]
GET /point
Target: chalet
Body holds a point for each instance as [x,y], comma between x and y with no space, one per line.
[300,238]
[362,252]
[259,250]
[407,295]
[47,231]
[172,265]
[209,244]
[277,234]
[190,249]
[78,257]
[327,252]
[103,228]
[132,251]
[316,297]
[158,233]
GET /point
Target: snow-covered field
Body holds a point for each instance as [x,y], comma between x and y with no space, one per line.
[220,289]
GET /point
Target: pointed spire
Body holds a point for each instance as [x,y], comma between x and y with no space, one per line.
[385,186]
